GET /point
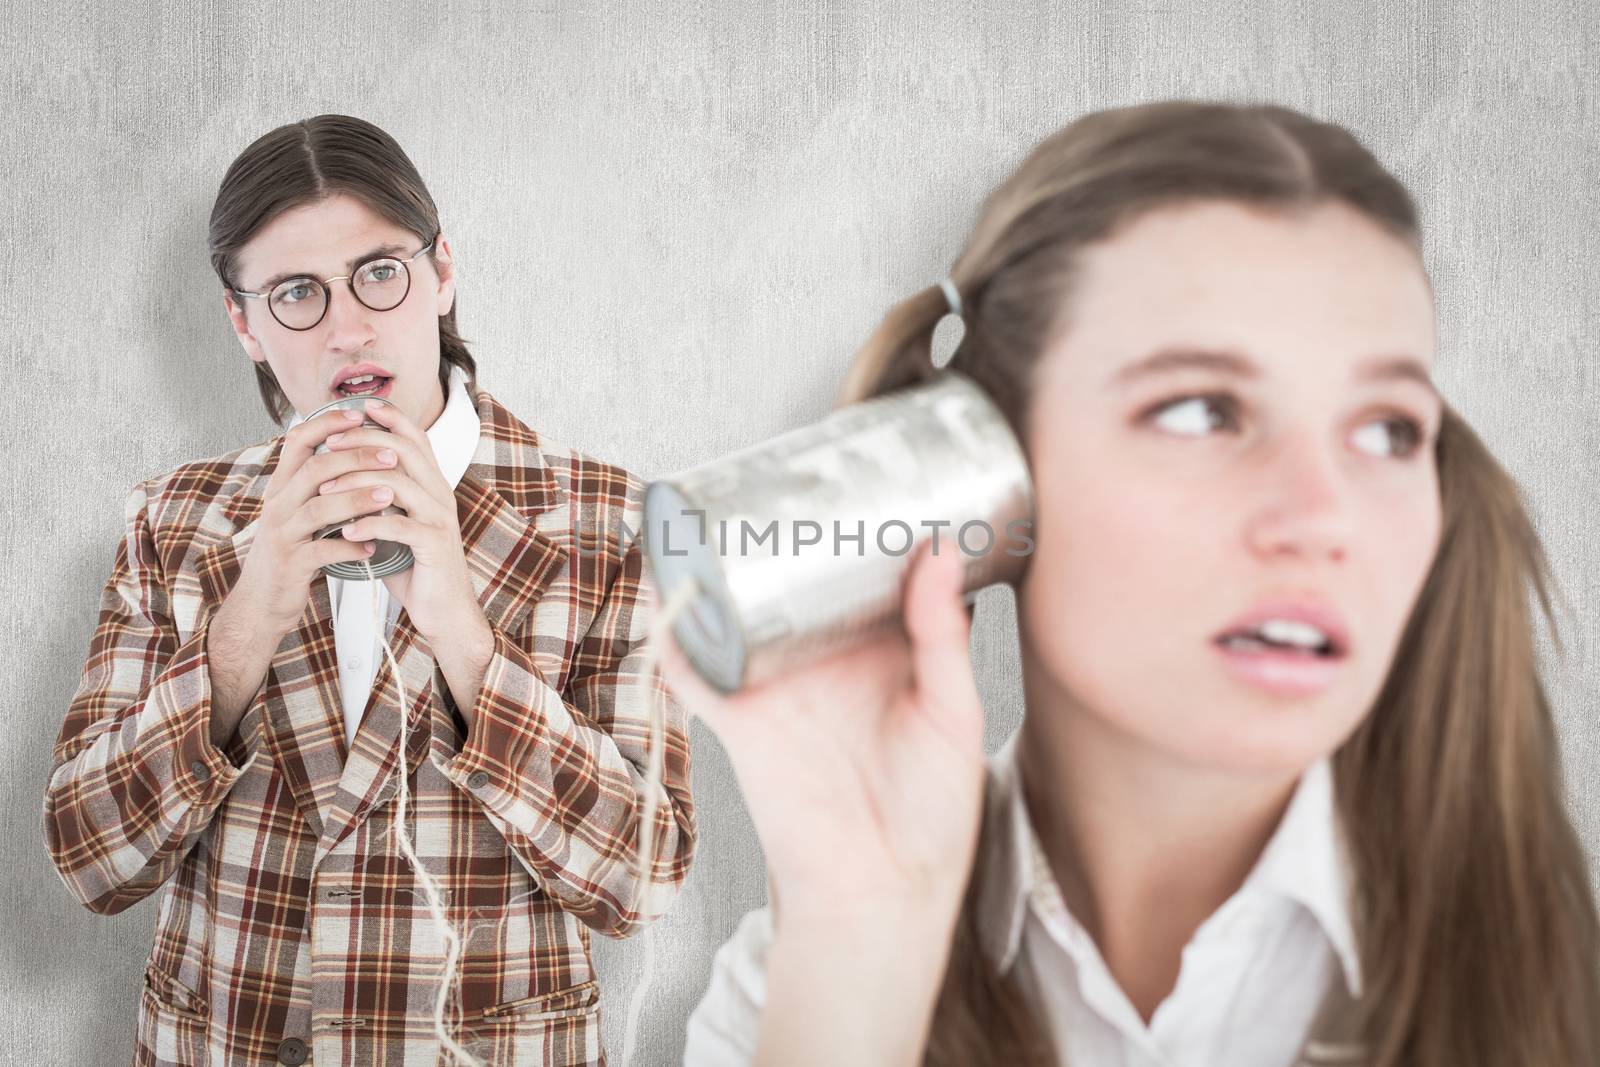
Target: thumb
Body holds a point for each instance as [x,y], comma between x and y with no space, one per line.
[937,623]
[695,695]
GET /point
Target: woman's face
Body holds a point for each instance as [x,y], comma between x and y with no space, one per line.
[1172,502]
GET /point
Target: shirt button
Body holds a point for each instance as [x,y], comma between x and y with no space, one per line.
[477,779]
[201,771]
[292,1051]
[352,663]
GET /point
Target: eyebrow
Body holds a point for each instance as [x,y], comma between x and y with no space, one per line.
[1233,364]
[381,250]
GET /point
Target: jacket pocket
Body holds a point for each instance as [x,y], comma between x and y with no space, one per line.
[170,995]
[558,1004]
[173,1024]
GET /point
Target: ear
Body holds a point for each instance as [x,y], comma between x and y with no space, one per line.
[236,316]
[444,267]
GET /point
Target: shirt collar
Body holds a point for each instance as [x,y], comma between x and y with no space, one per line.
[453,435]
[1306,861]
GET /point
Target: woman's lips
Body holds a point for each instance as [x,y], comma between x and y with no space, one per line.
[1280,672]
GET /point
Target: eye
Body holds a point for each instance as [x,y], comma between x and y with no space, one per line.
[1191,416]
[1188,414]
[1409,430]
[293,292]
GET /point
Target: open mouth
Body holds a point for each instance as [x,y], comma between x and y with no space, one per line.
[1255,645]
[1286,668]
[365,385]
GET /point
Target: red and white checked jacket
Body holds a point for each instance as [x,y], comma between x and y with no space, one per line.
[289,928]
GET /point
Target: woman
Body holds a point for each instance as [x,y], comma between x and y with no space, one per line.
[1211,328]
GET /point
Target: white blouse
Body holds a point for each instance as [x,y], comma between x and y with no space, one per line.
[1249,985]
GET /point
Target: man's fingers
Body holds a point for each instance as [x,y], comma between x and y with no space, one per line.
[299,445]
[303,440]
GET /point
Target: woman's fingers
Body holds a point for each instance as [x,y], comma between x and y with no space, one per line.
[696,695]
[935,664]
[936,621]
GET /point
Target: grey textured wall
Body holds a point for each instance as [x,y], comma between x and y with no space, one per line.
[673,224]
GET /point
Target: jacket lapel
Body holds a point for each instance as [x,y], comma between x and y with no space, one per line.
[509,561]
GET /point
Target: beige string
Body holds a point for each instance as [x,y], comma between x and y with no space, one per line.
[644,852]
[645,858]
[402,840]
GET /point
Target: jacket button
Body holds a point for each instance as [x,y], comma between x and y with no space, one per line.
[292,1051]
[477,779]
[201,771]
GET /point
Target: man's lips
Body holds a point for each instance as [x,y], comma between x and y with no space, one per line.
[382,391]
[359,370]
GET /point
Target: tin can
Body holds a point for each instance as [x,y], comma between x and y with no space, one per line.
[388,557]
[798,545]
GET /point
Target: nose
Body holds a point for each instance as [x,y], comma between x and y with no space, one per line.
[1305,509]
[348,320]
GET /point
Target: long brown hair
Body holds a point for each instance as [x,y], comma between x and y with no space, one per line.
[1474,910]
[303,162]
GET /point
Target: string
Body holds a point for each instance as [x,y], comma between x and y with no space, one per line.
[402,840]
[645,854]
[655,756]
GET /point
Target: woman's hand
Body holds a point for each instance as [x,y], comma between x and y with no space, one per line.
[863,773]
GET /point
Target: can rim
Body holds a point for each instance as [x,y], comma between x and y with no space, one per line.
[348,403]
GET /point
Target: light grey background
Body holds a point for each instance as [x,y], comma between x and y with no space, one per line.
[673,225]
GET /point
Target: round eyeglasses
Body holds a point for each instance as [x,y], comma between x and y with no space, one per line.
[381,284]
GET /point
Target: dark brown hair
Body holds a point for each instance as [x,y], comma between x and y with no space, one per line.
[310,160]
[1474,910]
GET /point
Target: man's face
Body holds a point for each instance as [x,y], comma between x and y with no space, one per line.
[326,239]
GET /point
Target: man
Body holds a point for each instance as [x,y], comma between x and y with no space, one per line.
[234,738]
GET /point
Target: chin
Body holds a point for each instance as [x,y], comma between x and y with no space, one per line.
[1209,724]
[1251,738]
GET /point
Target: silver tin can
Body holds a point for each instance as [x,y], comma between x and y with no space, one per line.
[799,544]
[388,557]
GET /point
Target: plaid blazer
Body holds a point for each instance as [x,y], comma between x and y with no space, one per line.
[289,928]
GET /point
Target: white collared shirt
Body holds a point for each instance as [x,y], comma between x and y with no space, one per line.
[1250,982]
[454,437]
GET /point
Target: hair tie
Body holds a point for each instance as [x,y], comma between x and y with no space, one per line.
[952,296]
[946,336]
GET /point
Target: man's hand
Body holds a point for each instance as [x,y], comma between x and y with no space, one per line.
[275,576]
[436,591]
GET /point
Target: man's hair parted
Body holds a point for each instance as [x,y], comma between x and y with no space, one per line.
[306,161]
